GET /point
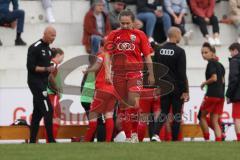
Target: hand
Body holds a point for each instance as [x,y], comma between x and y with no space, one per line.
[158,13]
[138,24]
[13,24]
[50,69]
[206,19]
[151,79]
[108,78]
[185,97]
[178,20]
[84,71]
[202,85]
[228,100]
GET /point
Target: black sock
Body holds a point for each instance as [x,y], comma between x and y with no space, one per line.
[18,36]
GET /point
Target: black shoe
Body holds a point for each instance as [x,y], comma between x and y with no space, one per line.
[1,43]
[20,42]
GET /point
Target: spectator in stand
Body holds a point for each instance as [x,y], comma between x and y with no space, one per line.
[146,15]
[235,15]
[152,12]
[7,16]
[106,5]
[96,25]
[47,5]
[177,10]
[202,15]
[118,6]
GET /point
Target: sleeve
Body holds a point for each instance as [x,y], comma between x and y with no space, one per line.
[211,68]
[89,26]
[184,6]
[195,9]
[210,9]
[181,70]
[31,59]
[100,58]
[142,6]
[145,46]
[15,4]
[233,79]
[168,6]
[109,45]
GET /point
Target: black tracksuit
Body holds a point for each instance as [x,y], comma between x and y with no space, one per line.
[174,58]
[39,54]
[233,91]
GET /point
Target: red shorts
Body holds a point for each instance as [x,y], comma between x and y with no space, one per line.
[54,99]
[149,100]
[122,84]
[148,105]
[103,102]
[212,105]
[236,110]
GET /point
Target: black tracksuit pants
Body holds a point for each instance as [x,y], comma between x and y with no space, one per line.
[41,108]
[168,101]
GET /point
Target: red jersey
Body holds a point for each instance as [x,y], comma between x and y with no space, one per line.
[100,77]
[126,48]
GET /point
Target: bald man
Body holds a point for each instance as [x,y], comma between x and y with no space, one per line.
[39,67]
[174,58]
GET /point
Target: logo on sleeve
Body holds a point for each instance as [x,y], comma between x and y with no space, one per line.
[43,53]
[166,52]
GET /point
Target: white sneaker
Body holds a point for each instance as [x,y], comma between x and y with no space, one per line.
[134,138]
[211,41]
[50,17]
[128,140]
[217,41]
[155,138]
[187,36]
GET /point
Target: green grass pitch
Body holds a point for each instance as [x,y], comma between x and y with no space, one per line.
[122,151]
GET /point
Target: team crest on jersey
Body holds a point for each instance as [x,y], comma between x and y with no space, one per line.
[133,37]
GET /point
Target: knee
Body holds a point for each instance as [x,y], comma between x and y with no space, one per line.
[20,13]
[166,17]
[200,20]
[151,17]
[214,19]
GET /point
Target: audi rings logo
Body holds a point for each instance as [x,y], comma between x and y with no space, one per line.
[125,46]
[167,52]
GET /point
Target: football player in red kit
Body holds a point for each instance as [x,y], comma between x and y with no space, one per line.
[103,102]
[125,47]
[54,89]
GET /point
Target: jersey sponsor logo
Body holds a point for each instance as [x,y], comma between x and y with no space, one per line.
[125,46]
[167,52]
